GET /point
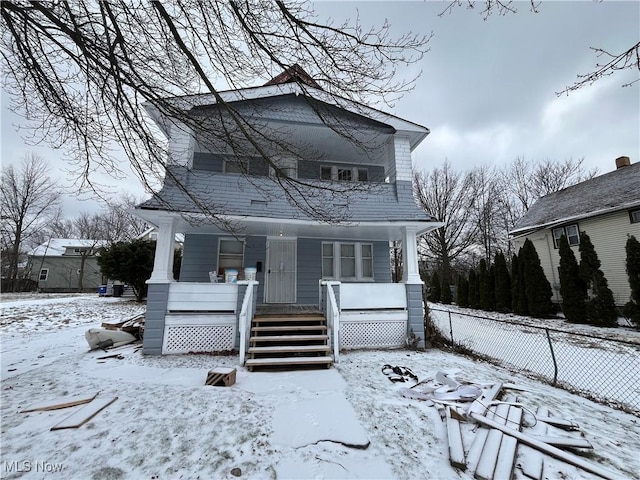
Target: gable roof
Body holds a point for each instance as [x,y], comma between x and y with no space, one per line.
[611,192]
[56,247]
[291,81]
[295,73]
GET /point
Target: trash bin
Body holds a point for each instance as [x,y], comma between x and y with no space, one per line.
[102,290]
[117,290]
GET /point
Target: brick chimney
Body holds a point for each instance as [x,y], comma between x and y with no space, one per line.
[622,162]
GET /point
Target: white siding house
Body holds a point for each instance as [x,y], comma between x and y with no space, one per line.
[606,207]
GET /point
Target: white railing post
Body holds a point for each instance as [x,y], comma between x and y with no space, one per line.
[333,319]
[244,319]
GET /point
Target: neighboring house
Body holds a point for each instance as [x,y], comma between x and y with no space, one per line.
[59,264]
[339,267]
[606,207]
[151,233]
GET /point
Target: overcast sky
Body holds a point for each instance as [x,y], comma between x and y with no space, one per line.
[488,88]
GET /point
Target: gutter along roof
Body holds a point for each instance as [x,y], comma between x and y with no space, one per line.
[608,193]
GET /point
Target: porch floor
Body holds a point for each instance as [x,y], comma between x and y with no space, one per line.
[285,308]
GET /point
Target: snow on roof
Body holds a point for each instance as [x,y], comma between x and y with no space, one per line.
[613,191]
[56,247]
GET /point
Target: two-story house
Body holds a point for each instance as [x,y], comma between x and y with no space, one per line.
[606,207]
[66,265]
[306,229]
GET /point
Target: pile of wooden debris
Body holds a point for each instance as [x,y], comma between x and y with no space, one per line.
[116,334]
[503,430]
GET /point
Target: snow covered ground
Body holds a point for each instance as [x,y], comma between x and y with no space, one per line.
[166,424]
[589,359]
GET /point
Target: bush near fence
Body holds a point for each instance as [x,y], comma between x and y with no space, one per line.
[603,369]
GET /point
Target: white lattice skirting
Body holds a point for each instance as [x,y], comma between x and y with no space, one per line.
[372,334]
[198,338]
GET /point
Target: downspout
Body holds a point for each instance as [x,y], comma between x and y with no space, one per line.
[553,270]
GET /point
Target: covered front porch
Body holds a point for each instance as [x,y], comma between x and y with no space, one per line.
[202,316]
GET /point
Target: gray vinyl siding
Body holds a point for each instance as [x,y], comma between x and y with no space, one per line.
[157,296]
[309,270]
[255,251]
[381,262]
[391,202]
[199,257]
[63,273]
[416,312]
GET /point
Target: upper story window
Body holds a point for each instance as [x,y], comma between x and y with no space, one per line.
[350,261]
[287,166]
[236,164]
[570,231]
[44,274]
[634,216]
[344,174]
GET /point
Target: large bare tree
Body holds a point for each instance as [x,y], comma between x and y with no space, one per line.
[525,181]
[84,69]
[28,199]
[449,196]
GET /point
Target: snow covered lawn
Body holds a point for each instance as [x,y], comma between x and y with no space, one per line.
[166,424]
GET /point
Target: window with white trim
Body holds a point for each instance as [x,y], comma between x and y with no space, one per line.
[44,274]
[570,231]
[349,261]
[230,254]
[634,216]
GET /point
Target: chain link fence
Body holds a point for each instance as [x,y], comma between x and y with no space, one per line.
[599,368]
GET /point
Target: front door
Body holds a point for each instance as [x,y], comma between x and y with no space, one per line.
[280,275]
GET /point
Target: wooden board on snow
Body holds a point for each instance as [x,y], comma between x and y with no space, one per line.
[84,414]
[480,437]
[548,449]
[489,457]
[532,460]
[456,448]
[58,403]
[483,402]
[509,445]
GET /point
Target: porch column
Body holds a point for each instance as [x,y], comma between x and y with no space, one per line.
[165,245]
[410,272]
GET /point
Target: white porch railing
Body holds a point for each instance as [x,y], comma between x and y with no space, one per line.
[244,319]
[369,315]
[201,317]
[333,319]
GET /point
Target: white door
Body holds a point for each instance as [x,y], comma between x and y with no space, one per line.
[280,275]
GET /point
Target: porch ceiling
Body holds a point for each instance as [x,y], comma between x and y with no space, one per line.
[257,226]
